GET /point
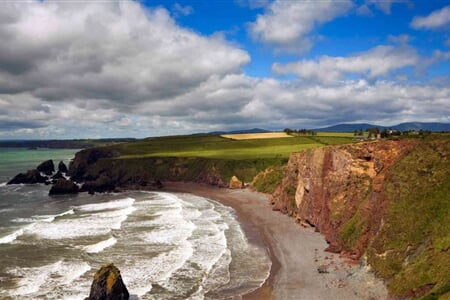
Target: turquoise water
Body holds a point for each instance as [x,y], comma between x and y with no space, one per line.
[167,245]
[19,160]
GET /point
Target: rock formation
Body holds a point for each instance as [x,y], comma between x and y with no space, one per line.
[108,285]
[338,190]
[63,186]
[62,168]
[47,167]
[30,177]
[235,183]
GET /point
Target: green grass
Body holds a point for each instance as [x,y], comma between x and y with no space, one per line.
[268,181]
[336,134]
[222,148]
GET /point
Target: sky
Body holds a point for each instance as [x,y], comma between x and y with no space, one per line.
[101,69]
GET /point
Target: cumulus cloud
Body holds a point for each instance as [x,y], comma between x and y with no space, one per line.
[109,69]
[286,25]
[106,50]
[436,20]
[378,61]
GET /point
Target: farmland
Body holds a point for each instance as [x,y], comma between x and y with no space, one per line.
[224,148]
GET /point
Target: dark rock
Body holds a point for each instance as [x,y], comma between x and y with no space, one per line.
[108,285]
[63,187]
[58,175]
[47,167]
[30,177]
[102,184]
[62,168]
[80,165]
[55,177]
[158,184]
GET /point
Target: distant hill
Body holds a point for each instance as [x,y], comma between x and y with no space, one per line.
[253,130]
[62,144]
[403,126]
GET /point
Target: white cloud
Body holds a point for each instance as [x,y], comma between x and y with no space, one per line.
[437,19]
[378,61]
[106,50]
[182,10]
[109,69]
[286,25]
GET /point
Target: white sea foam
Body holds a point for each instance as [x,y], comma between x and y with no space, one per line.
[100,246]
[51,218]
[3,184]
[13,236]
[39,281]
[121,203]
[160,268]
[98,221]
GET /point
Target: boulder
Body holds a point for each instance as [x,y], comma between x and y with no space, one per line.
[108,285]
[235,183]
[30,177]
[47,167]
[62,168]
[63,187]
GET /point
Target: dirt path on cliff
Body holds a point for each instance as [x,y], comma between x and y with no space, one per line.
[297,253]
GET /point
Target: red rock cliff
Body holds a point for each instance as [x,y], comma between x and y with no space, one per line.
[339,191]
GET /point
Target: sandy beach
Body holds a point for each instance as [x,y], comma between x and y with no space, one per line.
[296,252]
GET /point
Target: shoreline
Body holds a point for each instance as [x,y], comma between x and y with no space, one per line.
[296,252]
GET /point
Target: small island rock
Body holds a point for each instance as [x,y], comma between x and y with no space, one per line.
[30,177]
[108,285]
[62,168]
[47,167]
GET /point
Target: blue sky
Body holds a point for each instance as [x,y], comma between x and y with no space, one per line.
[86,69]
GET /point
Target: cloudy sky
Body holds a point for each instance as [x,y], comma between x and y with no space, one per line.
[88,69]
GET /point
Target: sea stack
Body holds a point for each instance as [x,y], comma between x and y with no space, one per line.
[108,285]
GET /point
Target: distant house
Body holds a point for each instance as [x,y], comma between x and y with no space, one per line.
[394,132]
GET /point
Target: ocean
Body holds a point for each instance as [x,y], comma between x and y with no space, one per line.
[166,245]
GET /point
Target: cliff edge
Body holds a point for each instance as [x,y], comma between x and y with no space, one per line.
[381,201]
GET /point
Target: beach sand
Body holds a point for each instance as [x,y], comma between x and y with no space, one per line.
[296,252]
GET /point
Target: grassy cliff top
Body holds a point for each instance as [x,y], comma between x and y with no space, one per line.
[219,147]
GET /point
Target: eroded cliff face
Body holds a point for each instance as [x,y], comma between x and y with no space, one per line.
[339,191]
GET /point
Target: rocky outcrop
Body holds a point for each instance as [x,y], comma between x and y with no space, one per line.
[102,184]
[108,285]
[62,168]
[80,168]
[63,186]
[339,191]
[30,177]
[235,183]
[47,167]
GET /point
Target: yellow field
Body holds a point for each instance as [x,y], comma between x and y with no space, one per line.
[254,136]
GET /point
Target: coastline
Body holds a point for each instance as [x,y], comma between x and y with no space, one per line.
[296,252]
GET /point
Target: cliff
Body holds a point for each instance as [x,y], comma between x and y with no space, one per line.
[385,199]
[103,169]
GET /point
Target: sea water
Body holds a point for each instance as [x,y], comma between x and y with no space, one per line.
[166,245]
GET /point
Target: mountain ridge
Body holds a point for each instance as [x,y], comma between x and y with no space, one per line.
[346,127]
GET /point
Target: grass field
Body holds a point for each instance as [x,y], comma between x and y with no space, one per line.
[220,147]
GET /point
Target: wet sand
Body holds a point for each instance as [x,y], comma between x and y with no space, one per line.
[296,252]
